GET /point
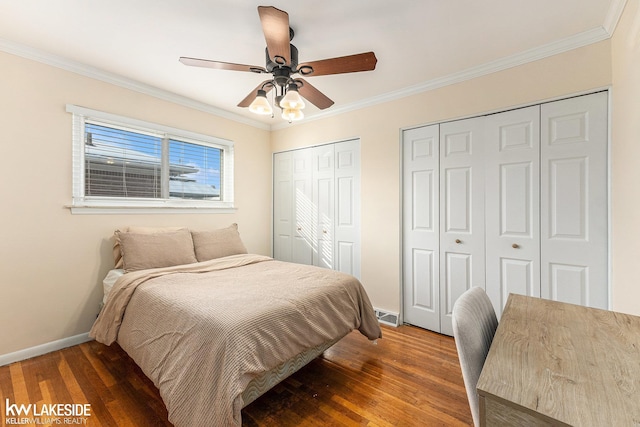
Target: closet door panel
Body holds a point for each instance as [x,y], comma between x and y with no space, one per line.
[323,198]
[457,280]
[304,207]
[324,191]
[457,199]
[421,232]
[346,235]
[283,222]
[347,207]
[462,255]
[512,204]
[574,200]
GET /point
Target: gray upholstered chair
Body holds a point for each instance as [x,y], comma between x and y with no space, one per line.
[474,325]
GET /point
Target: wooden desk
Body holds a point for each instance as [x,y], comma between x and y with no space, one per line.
[553,363]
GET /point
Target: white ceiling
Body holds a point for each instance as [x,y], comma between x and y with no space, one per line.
[419,43]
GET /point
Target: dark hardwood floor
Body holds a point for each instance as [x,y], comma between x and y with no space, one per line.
[410,378]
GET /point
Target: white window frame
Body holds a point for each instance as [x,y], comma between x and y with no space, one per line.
[82,204]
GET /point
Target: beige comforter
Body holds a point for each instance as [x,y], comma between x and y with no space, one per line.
[202,331]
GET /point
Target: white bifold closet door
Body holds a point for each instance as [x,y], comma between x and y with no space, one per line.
[316,212]
[283,213]
[462,251]
[443,220]
[303,214]
[513,202]
[573,181]
[512,174]
[421,226]
[322,215]
[347,207]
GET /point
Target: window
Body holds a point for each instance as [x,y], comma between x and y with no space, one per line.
[125,164]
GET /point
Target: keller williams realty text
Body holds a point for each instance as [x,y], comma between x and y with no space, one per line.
[46,421]
[47,410]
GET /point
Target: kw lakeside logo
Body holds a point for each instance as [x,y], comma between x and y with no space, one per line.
[46,414]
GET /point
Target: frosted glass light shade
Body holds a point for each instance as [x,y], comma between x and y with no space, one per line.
[260,105]
[292,100]
[292,114]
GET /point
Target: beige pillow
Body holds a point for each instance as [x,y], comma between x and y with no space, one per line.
[117,253]
[218,243]
[142,250]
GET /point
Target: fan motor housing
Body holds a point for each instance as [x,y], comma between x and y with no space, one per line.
[271,65]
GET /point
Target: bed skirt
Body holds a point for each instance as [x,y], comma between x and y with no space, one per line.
[267,380]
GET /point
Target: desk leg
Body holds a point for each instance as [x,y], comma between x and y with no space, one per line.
[483,411]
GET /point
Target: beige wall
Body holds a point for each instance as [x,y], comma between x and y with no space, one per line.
[379,129]
[626,160]
[52,262]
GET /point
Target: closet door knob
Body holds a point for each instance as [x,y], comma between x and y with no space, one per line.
[324,231]
[299,228]
[515,246]
[458,241]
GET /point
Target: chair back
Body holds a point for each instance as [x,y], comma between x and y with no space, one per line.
[474,325]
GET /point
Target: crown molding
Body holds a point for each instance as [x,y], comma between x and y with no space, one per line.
[124,82]
[559,46]
[613,16]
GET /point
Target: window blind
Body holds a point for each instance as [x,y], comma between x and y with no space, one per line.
[126,163]
[194,171]
[122,163]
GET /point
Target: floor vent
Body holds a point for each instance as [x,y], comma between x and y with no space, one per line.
[387,318]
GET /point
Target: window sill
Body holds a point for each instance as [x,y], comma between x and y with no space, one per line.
[148,207]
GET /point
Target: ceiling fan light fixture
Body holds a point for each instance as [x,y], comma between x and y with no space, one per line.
[292,99]
[260,105]
[292,114]
[282,63]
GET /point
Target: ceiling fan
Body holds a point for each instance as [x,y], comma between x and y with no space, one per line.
[282,64]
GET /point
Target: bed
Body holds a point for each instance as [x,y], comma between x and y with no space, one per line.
[216,328]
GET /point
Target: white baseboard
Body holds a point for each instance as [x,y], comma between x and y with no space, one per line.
[28,353]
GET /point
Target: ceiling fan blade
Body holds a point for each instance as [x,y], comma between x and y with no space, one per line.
[313,95]
[218,65]
[275,26]
[252,95]
[343,64]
